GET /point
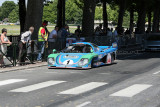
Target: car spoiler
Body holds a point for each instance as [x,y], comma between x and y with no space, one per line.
[114,45]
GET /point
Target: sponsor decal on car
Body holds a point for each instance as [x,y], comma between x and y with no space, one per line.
[74,57]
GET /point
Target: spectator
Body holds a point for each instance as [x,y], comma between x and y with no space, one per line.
[99,30]
[65,31]
[25,40]
[120,31]
[42,38]
[47,32]
[52,39]
[127,32]
[104,32]
[109,33]
[148,30]
[4,41]
[78,30]
[115,34]
[62,34]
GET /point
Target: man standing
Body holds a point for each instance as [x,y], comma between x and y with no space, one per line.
[25,38]
[42,37]
[65,33]
[78,30]
[52,39]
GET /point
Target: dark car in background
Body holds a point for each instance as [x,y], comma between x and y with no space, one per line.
[152,42]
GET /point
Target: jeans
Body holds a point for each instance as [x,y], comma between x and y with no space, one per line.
[41,46]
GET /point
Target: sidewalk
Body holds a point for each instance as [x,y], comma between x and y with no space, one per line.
[8,69]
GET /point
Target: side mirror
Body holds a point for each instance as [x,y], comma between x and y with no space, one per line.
[92,51]
[54,50]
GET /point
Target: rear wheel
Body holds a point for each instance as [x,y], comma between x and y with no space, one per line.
[110,58]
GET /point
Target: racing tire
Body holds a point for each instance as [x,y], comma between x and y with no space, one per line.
[111,59]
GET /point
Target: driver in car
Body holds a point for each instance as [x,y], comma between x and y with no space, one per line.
[87,49]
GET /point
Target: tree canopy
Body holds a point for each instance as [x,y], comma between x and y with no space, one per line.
[6,9]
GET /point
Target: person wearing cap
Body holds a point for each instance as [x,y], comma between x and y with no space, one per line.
[42,37]
[25,39]
[3,45]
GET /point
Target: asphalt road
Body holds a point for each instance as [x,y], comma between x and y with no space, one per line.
[133,81]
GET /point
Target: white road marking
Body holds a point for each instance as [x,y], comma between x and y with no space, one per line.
[10,81]
[132,90]
[105,73]
[84,104]
[37,86]
[156,73]
[83,88]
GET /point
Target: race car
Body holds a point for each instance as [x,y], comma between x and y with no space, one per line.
[83,55]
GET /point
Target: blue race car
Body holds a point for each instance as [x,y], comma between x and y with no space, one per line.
[83,55]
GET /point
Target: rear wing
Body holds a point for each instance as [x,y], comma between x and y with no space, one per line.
[114,45]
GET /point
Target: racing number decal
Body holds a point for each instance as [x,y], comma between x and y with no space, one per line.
[68,62]
[109,59]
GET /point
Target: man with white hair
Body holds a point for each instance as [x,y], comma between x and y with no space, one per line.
[25,38]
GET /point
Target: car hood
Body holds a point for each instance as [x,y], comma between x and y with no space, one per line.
[69,58]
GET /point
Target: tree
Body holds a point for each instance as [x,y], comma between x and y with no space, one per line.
[98,13]
[112,11]
[61,13]
[73,12]
[22,14]
[13,16]
[6,8]
[122,4]
[50,12]
[141,9]
[34,16]
[105,16]
[156,16]
[0,13]
[88,17]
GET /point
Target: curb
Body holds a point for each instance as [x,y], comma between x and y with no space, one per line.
[23,67]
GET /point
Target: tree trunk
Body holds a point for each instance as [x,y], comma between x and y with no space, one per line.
[88,17]
[121,13]
[131,20]
[63,11]
[22,14]
[34,16]
[155,27]
[149,21]
[141,17]
[60,13]
[105,17]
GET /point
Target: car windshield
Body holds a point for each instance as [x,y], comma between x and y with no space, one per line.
[77,48]
[96,48]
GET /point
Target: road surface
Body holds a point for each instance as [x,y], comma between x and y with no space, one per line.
[133,81]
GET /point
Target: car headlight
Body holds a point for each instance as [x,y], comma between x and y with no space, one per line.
[51,61]
[83,62]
